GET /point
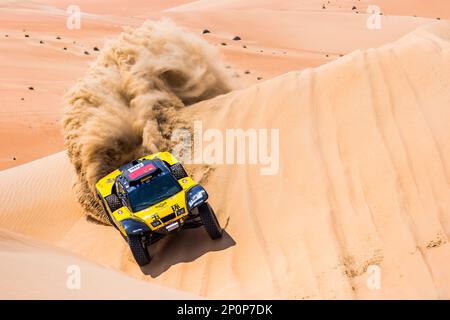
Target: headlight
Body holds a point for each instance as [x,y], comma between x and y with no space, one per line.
[181,211]
[156,223]
[196,196]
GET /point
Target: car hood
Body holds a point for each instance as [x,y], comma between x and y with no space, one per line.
[163,209]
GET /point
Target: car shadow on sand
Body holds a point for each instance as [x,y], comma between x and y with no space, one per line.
[184,246]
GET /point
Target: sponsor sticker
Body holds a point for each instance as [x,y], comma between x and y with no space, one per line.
[137,172]
[134,168]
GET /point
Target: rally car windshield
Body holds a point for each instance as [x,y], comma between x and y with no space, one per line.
[153,191]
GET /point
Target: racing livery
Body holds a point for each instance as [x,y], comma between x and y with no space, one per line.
[151,197]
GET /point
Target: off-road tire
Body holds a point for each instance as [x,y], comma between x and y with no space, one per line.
[178,171]
[139,250]
[108,216]
[210,222]
[106,212]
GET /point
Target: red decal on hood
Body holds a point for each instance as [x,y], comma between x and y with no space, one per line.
[141,171]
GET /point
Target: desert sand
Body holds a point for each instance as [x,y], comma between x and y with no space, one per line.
[302,34]
[364,159]
[40,265]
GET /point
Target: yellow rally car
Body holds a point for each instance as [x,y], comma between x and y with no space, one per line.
[151,197]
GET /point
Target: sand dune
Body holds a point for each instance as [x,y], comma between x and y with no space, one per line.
[46,211]
[364,175]
[364,180]
[302,34]
[45,273]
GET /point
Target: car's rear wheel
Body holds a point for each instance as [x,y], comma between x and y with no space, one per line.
[139,250]
[108,216]
[210,222]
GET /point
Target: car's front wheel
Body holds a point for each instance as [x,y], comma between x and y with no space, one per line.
[210,222]
[139,250]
